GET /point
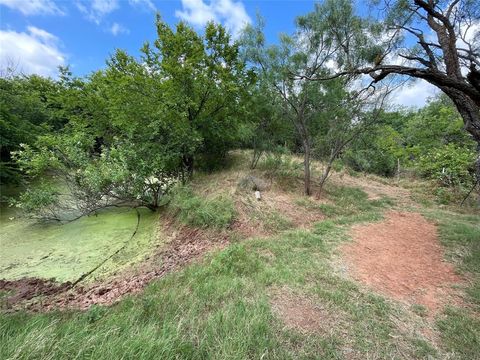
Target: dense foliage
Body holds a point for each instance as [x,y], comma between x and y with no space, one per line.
[431,141]
[136,128]
[125,135]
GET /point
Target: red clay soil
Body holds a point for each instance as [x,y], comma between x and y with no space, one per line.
[401,257]
[186,246]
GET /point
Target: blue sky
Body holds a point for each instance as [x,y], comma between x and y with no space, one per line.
[84,33]
[37,36]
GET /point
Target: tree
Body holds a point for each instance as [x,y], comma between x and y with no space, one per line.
[203,79]
[350,113]
[449,59]
[269,130]
[327,116]
[306,53]
[25,113]
[134,129]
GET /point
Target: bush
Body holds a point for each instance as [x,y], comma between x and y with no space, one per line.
[372,161]
[280,165]
[449,165]
[191,209]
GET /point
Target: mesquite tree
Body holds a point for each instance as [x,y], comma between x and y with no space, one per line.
[306,52]
[433,40]
[350,114]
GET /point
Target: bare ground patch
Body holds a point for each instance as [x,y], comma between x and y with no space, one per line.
[402,258]
[28,288]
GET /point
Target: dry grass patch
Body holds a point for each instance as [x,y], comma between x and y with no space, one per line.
[302,314]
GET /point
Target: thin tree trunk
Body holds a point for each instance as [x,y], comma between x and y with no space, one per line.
[324,178]
[257,154]
[188,163]
[306,164]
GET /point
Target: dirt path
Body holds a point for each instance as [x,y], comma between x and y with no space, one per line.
[401,257]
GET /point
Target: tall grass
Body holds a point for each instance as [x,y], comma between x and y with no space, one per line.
[191,209]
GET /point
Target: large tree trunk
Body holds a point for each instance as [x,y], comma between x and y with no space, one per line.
[470,113]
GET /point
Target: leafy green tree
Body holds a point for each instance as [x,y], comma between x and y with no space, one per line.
[25,113]
[269,130]
[203,80]
[450,165]
[346,115]
[326,116]
[135,128]
[306,52]
[434,126]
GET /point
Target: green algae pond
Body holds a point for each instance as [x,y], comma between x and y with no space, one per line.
[67,251]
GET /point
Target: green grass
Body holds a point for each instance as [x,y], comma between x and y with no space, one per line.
[272,220]
[220,309]
[460,333]
[460,235]
[348,205]
[191,209]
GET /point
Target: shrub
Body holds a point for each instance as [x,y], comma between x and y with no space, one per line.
[280,165]
[449,165]
[191,209]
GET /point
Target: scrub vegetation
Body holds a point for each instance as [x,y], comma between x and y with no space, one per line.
[226,305]
[220,198]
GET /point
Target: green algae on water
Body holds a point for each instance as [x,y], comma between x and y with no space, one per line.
[66,251]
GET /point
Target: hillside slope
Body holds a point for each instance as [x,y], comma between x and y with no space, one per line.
[364,271]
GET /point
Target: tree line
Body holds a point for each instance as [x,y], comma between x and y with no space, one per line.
[125,135]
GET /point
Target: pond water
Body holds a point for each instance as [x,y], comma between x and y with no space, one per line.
[66,251]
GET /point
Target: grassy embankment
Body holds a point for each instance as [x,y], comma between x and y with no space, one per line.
[224,306]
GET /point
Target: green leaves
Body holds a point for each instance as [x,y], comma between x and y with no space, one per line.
[450,165]
[134,129]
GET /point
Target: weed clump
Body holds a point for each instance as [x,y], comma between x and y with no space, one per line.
[235,260]
[191,209]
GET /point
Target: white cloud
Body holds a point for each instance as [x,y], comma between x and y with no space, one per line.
[33,52]
[414,94]
[145,4]
[96,10]
[229,12]
[33,7]
[116,29]
[196,12]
